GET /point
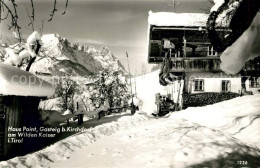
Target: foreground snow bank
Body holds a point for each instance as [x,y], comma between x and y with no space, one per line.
[63,149]
[197,137]
[217,135]
[239,117]
[171,142]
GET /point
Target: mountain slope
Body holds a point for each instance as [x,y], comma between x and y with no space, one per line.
[59,55]
[77,56]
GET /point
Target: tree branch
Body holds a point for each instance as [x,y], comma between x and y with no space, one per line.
[10,11]
[53,11]
[31,19]
[30,64]
[16,20]
[32,10]
[65,7]
[2,9]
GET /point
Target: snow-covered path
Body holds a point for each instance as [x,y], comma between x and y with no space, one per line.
[225,134]
[165,143]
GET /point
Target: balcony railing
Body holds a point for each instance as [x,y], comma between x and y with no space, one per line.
[196,64]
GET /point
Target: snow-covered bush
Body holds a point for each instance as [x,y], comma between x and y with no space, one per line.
[66,89]
[110,88]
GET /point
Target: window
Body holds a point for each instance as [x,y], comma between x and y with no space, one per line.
[211,51]
[198,85]
[254,82]
[225,86]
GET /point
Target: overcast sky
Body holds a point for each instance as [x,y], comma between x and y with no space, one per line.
[120,25]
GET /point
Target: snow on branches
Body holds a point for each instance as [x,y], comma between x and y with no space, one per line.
[239,42]
[66,89]
[110,88]
[24,53]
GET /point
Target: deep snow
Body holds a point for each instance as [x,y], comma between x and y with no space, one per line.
[177,19]
[63,149]
[225,134]
[14,81]
[164,143]
[215,136]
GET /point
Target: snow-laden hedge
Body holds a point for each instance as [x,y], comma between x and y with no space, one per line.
[203,99]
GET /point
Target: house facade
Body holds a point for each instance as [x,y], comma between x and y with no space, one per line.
[179,42]
[212,82]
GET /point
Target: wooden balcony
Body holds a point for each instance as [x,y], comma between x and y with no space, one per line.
[210,64]
[198,64]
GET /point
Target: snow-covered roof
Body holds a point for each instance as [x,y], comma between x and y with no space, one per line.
[177,19]
[14,81]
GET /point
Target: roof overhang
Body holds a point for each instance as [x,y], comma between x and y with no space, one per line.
[14,81]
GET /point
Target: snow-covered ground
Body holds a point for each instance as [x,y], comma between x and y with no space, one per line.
[63,149]
[146,88]
[225,134]
[219,135]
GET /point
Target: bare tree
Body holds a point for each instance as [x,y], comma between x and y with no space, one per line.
[66,89]
[31,17]
[9,9]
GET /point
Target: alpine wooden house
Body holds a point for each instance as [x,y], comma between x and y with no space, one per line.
[180,43]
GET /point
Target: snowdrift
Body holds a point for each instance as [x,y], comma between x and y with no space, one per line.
[63,149]
[223,132]
[146,87]
[190,137]
[239,117]
[180,141]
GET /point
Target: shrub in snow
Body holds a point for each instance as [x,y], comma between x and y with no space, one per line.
[51,104]
[66,89]
[110,87]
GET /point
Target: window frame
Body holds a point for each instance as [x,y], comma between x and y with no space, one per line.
[255,82]
[227,86]
[199,86]
[211,52]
